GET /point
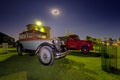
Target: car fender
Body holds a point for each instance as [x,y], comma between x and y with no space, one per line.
[44,44]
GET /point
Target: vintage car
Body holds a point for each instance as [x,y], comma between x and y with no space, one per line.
[35,42]
[73,42]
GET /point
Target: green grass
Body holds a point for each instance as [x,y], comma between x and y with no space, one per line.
[75,66]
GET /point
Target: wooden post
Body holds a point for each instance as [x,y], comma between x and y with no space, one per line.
[5,47]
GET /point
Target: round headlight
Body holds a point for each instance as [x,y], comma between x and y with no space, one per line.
[57,43]
[63,43]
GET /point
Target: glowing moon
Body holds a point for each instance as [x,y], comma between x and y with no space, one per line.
[55,12]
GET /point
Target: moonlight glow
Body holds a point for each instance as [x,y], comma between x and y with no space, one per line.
[38,23]
[55,12]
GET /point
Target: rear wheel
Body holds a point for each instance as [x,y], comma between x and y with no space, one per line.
[46,56]
[85,49]
[19,50]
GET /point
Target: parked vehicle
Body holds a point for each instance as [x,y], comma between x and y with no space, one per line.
[35,42]
[73,42]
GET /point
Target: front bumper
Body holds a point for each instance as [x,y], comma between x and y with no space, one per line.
[59,55]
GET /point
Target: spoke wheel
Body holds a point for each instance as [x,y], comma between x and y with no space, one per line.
[46,56]
[85,49]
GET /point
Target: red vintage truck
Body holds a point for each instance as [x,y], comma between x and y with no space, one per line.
[72,42]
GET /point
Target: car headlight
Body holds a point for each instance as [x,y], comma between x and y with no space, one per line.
[62,42]
[56,41]
[57,44]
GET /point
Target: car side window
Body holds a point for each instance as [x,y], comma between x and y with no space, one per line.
[30,35]
[40,35]
[22,36]
[37,35]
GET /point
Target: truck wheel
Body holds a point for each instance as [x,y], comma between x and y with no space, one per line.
[19,50]
[46,56]
[85,49]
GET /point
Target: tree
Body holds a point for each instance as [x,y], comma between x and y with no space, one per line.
[110,41]
[94,40]
[105,41]
[118,41]
[98,41]
[88,38]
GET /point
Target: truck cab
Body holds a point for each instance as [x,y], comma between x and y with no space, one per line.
[74,43]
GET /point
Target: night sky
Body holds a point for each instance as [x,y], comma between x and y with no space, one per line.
[96,18]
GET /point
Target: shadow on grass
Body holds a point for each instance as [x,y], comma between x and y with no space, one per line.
[90,54]
[62,69]
[12,50]
[117,72]
[9,51]
[3,53]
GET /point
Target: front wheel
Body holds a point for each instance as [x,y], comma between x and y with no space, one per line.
[19,50]
[46,56]
[85,49]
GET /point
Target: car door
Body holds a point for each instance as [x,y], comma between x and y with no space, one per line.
[73,43]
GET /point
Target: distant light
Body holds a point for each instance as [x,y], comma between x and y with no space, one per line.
[55,12]
[42,29]
[39,23]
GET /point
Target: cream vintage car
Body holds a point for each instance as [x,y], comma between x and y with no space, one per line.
[35,42]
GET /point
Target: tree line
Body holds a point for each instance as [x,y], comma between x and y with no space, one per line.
[106,41]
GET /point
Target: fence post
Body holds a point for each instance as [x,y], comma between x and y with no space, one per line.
[5,47]
[109,58]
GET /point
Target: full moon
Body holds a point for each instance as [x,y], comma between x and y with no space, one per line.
[55,12]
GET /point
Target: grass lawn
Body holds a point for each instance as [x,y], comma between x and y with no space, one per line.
[75,66]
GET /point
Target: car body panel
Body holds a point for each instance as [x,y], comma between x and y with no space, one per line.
[33,44]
